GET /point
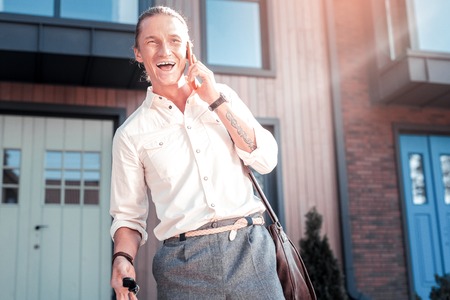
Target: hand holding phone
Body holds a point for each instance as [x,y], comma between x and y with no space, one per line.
[131,284]
[191,58]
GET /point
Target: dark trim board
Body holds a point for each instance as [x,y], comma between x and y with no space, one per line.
[117,115]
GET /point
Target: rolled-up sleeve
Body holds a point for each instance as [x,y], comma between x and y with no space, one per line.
[265,157]
[129,200]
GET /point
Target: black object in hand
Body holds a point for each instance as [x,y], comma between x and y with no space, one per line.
[131,284]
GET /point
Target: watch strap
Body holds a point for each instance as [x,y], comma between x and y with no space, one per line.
[221,100]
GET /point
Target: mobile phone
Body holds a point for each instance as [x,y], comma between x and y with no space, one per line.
[191,60]
[131,284]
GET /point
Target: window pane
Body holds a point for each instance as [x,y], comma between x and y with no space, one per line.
[11,158]
[445,168]
[72,178]
[72,197]
[432,23]
[91,197]
[233,33]
[52,196]
[91,178]
[29,7]
[417,179]
[91,161]
[120,11]
[53,160]
[11,176]
[53,177]
[10,195]
[72,160]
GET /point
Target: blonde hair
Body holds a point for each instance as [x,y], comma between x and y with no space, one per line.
[157,10]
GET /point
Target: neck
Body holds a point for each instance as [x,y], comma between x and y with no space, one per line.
[176,93]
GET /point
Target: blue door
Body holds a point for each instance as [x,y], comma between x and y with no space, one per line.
[425,162]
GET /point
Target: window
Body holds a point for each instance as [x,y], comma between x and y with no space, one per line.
[431,25]
[236,37]
[271,183]
[445,169]
[72,177]
[391,30]
[400,25]
[117,11]
[10,176]
[416,173]
[29,7]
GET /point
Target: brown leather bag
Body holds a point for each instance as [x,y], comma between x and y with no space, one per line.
[291,270]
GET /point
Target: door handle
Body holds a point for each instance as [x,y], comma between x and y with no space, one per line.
[39,227]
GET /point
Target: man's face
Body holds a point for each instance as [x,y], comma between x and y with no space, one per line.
[162,49]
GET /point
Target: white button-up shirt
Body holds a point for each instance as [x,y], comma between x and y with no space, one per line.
[189,164]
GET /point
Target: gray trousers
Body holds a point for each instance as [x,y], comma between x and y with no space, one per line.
[213,267]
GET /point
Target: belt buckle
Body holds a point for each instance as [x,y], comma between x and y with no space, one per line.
[232,235]
[233,232]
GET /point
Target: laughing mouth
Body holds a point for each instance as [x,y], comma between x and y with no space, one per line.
[165,65]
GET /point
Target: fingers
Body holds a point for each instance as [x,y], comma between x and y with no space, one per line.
[207,89]
[121,269]
[123,293]
[132,296]
[199,70]
[125,296]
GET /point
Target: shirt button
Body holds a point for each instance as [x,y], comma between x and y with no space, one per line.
[213,205]
[189,127]
[161,143]
[214,224]
[170,106]
[160,97]
[205,178]
[198,151]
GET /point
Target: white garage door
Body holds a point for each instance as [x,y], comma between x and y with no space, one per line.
[54,220]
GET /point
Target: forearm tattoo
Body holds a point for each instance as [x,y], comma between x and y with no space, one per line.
[240,131]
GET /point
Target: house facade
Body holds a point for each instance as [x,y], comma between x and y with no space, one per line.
[394,83]
[355,92]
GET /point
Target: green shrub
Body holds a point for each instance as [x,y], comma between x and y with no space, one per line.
[323,267]
[442,291]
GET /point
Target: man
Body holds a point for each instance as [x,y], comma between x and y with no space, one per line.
[185,144]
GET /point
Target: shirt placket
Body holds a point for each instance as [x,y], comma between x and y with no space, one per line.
[198,139]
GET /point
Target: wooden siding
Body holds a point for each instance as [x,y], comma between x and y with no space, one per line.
[299,96]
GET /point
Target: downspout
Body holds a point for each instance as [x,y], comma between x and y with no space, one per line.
[335,91]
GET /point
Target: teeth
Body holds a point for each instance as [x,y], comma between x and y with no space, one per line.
[165,63]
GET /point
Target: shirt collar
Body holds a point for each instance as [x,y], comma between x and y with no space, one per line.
[151,96]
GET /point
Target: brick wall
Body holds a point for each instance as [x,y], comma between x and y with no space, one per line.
[374,199]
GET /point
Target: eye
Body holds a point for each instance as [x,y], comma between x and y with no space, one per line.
[151,42]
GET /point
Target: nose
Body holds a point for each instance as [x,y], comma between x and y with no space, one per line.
[165,49]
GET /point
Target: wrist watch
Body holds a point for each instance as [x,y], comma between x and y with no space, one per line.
[221,100]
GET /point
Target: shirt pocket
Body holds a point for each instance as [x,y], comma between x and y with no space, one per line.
[166,155]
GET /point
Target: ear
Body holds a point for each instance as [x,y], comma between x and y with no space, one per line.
[137,55]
